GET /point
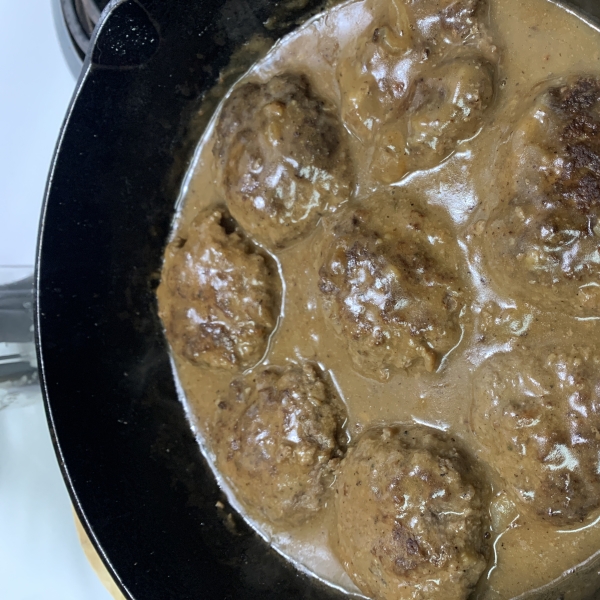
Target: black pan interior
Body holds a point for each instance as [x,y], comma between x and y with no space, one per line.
[135,472]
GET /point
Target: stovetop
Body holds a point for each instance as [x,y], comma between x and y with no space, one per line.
[40,556]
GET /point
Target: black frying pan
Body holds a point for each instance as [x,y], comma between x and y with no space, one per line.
[135,473]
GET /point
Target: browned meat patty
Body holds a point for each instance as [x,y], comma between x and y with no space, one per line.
[543,239]
[392,281]
[448,106]
[537,411]
[414,86]
[284,158]
[446,22]
[377,75]
[412,516]
[220,294]
[279,439]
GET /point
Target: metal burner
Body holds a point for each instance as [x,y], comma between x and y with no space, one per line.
[75,21]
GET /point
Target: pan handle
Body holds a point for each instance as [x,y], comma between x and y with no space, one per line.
[126,36]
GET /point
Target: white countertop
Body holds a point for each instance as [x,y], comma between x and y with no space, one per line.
[40,556]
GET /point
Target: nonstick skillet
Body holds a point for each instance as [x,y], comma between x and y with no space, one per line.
[134,470]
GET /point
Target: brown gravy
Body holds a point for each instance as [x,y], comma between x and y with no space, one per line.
[537,41]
